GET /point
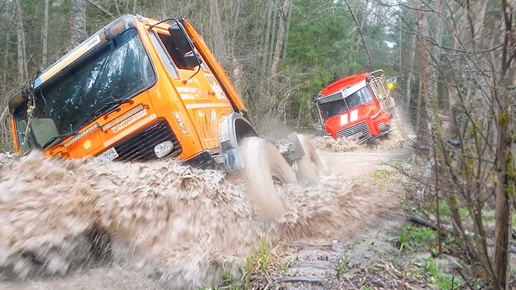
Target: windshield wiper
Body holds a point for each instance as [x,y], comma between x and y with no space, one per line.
[105,109]
[59,137]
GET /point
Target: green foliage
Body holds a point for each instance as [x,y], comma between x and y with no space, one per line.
[261,260]
[412,238]
[382,178]
[438,278]
[503,118]
[511,169]
[341,265]
[322,48]
[444,209]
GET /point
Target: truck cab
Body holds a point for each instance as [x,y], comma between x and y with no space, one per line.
[356,106]
[139,89]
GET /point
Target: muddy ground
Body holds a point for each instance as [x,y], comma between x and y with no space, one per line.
[310,263]
[338,233]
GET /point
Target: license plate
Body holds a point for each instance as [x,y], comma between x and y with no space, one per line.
[110,154]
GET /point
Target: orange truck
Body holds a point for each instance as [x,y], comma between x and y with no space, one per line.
[141,89]
[356,106]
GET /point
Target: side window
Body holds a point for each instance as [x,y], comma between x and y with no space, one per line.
[164,56]
[179,48]
[177,51]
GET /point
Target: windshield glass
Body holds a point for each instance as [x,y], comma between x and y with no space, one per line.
[339,105]
[117,71]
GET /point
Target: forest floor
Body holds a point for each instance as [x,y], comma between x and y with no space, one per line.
[376,253]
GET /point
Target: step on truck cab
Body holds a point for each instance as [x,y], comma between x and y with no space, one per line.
[356,106]
[140,90]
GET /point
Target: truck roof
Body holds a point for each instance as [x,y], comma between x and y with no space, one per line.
[342,84]
[109,31]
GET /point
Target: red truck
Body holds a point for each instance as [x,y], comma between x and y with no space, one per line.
[356,106]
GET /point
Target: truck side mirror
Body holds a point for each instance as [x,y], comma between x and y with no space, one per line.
[191,60]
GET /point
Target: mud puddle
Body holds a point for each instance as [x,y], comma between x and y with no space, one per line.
[172,226]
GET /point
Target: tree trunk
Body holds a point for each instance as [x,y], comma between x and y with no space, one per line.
[505,183]
[422,115]
[285,10]
[285,45]
[78,22]
[217,29]
[21,48]
[504,161]
[268,36]
[411,69]
[44,36]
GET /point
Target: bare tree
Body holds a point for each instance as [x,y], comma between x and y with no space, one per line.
[477,171]
[283,17]
[44,35]
[21,47]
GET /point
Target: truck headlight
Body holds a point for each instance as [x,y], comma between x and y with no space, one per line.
[163,149]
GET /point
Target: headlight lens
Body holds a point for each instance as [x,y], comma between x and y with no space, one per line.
[163,149]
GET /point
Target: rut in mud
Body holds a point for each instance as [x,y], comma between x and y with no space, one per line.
[181,226]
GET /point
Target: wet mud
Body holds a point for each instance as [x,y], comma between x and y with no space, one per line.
[177,225]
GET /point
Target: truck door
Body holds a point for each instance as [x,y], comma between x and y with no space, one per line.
[202,95]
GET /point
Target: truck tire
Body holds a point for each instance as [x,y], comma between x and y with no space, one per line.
[310,166]
[266,171]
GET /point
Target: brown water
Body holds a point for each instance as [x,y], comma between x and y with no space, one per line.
[181,226]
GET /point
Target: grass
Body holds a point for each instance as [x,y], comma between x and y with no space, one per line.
[262,263]
[412,238]
[438,278]
[340,266]
[382,178]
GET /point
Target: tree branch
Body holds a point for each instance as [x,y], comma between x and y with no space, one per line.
[361,35]
[100,8]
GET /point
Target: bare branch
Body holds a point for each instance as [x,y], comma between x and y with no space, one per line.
[101,9]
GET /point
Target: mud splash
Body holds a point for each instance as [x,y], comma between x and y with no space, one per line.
[401,135]
[339,145]
[182,226]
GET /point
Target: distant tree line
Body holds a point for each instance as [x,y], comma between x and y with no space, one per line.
[279,53]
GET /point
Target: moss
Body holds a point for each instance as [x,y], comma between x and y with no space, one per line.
[511,171]
[452,200]
[511,175]
[511,189]
[503,118]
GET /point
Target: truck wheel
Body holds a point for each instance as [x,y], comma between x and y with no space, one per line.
[266,171]
[310,166]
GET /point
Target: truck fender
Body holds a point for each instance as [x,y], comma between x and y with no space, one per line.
[233,128]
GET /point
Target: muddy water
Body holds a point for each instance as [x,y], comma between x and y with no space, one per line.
[180,226]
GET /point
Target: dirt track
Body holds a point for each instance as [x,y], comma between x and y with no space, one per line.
[312,261]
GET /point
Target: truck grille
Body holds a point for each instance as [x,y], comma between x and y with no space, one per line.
[355,129]
[140,146]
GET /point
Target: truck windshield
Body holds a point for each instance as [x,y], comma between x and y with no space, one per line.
[338,104]
[116,71]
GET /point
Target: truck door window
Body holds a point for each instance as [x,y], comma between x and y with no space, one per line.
[332,105]
[165,58]
[179,50]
